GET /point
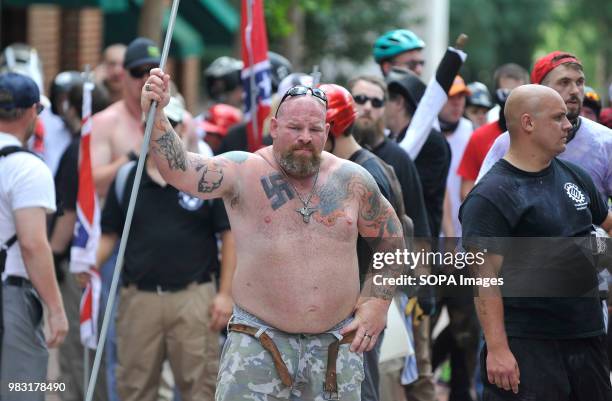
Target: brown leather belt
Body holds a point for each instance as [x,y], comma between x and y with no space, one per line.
[331,383]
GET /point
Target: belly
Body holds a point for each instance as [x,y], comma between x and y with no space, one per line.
[298,288]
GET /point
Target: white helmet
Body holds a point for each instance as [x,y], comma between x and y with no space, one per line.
[23,59]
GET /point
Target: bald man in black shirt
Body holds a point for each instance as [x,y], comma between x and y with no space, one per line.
[551,347]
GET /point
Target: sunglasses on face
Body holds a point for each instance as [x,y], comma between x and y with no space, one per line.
[301,90]
[377,103]
[39,108]
[140,72]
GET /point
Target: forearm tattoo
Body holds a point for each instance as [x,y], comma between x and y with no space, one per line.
[170,147]
[383,292]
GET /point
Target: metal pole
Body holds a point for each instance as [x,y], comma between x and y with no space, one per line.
[252,84]
[85,370]
[130,212]
[316,76]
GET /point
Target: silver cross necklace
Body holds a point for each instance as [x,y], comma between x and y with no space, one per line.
[305,210]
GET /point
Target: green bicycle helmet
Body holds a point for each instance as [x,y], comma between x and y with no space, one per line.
[395,42]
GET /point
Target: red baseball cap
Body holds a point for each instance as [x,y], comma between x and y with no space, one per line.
[546,64]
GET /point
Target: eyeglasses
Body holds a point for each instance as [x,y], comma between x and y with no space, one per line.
[39,108]
[301,90]
[140,72]
[377,103]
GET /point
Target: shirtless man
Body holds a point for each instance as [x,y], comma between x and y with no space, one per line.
[110,73]
[295,212]
[117,131]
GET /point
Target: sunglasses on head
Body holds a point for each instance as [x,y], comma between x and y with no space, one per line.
[140,72]
[377,103]
[301,90]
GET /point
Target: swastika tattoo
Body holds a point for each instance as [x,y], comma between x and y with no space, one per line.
[277,190]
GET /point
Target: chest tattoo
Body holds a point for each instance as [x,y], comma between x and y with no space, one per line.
[277,190]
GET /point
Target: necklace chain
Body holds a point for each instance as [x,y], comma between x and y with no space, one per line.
[305,211]
[305,203]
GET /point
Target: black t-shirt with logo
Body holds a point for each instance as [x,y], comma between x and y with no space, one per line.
[172,237]
[558,205]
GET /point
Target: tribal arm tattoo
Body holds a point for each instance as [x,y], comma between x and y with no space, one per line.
[170,147]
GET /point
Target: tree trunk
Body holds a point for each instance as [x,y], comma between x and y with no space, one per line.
[150,22]
[294,43]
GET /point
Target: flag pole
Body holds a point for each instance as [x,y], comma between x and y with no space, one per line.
[85,348]
[316,76]
[130,213]
[252,85]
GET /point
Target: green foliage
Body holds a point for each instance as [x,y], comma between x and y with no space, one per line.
[342,28]
[500,31]
[583,27]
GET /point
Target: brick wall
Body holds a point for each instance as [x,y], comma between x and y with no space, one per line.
[43,33]
[90,37]
[190,83]
[66,39]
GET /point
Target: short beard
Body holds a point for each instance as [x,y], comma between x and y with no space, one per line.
[573,115]
[300,166]
[367,132]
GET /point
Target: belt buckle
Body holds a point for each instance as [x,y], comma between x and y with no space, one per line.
[160,291]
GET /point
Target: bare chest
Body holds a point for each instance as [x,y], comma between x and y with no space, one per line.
[274,208]
[126,135]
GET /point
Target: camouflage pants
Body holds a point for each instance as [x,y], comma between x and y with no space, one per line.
[247,371]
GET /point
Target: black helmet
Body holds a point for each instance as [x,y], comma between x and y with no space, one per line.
[222,76]
[480,95]
[280,68]
[62,83]
[408,85]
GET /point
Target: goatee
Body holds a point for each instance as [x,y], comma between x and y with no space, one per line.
[367,132]
[300,166]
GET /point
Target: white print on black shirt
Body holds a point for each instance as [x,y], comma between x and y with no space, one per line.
[576,195]
[189,202]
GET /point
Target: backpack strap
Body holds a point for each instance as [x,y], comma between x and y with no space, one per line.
[8,150]
[5,151]
[121,179]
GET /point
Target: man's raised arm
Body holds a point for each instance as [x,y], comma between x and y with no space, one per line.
[189,172]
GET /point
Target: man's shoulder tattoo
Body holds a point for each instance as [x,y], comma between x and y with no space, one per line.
[235,156]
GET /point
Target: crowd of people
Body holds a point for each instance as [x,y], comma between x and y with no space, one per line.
[248,276]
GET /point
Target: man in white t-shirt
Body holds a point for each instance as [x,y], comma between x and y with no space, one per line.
[26,196]
[457,130]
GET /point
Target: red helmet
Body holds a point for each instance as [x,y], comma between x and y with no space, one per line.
[341,110]
[220,118]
